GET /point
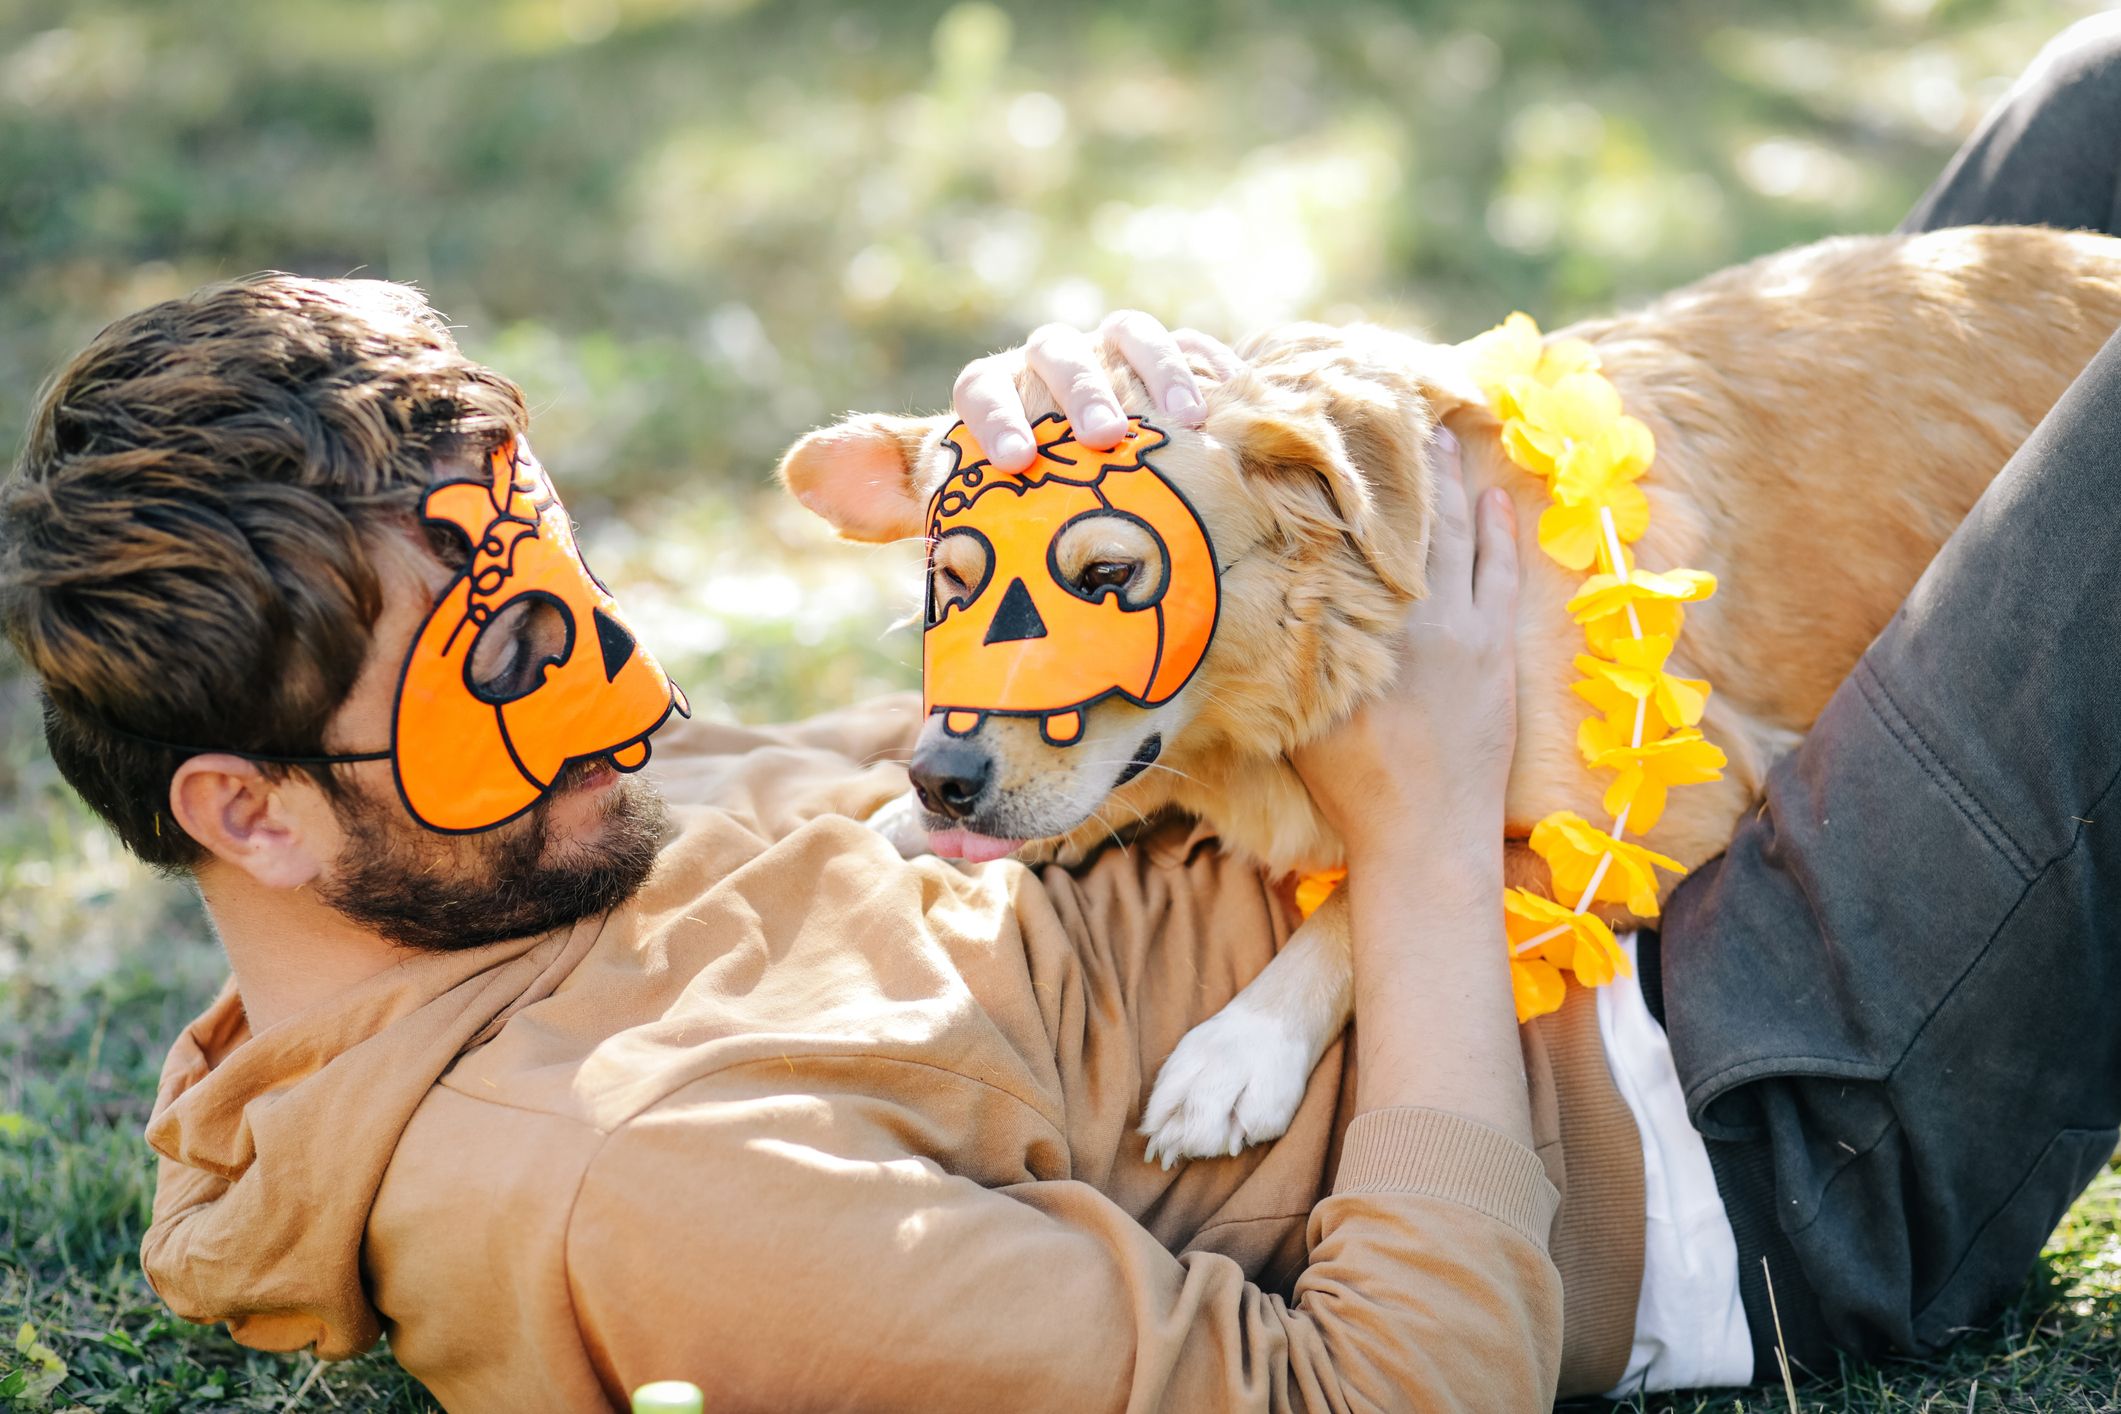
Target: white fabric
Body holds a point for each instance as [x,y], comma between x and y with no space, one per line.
[1690,1330]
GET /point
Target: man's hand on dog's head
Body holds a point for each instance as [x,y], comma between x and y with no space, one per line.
[1068,362]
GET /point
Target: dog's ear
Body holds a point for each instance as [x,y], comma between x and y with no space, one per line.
[861,474]
[1312,474]
[1349,412]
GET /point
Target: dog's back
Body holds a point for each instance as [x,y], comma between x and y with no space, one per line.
[1825,418]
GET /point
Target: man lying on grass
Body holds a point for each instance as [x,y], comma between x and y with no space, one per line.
[568,1083]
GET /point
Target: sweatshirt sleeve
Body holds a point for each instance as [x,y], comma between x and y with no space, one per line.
[845,1273]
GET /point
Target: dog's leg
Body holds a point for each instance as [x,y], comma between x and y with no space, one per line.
[1237,1078]
[899,821]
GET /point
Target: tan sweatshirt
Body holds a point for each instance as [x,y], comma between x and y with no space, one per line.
[819,1128]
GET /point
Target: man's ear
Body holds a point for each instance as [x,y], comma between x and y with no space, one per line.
[245,819]
[859,474]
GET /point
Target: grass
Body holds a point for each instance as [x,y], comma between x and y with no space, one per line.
[77,1075]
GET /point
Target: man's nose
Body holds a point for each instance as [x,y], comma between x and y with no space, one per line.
[950,777]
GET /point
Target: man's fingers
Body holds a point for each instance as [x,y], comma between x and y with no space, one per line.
[1154,354]
[1495,563]
[1068,363]
[1221,360]
[1451,546]
[986,399]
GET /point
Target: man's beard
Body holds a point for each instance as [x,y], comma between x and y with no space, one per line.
[442,893]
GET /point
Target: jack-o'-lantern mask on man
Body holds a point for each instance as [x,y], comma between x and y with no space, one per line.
[523,665]
[1020,635]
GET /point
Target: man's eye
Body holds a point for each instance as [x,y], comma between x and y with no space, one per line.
[517,645]
[506,670]
[1104,574]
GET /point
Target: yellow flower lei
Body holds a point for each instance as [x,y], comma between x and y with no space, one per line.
[1562,422]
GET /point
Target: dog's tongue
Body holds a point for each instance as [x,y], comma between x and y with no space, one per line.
[963,844]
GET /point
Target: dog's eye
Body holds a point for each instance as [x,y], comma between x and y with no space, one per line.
[1104,574]
[961,562]
[1109,556]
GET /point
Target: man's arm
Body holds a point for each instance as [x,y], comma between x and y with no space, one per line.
[1414,785]
[842,1273]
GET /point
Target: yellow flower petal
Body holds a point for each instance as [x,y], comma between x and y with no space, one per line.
[1619,708]
[1647,772]
[1573,849]
[1639,794]
[1314,889]
[1574,533]
[1536,986]
[1595,955]
[1604,594]
[1529,448]
[1637,669]
[1525,915]
[1570,535]
[1595,736]
[1581,406]
[1563,357]
[1597,462]
[1585,945]
[1655,617]
[1509,350]
[1602,605]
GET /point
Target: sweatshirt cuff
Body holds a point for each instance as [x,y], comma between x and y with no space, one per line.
[1437,1154]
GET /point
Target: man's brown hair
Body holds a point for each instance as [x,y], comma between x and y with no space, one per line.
[181,544]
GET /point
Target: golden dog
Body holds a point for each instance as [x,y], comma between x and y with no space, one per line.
[1824,419]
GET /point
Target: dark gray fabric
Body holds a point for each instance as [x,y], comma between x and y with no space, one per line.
[2050,155]
[1901,979]
[1892,1001]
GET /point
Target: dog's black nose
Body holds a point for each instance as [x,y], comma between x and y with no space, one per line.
[950,778]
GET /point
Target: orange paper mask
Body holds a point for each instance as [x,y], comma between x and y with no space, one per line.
[524,664]
[1022,641]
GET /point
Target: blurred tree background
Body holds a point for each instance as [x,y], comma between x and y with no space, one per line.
[693,229]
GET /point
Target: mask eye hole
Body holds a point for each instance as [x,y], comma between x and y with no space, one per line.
[447,542]
[1101,554]
[959,567]
[532,632]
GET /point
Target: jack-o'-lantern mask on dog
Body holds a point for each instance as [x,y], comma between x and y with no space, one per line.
[1024,620]
[524,664]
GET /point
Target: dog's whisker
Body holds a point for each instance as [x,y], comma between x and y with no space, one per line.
[1116,840]
[1138,815]
[1173,770]
[1143,765]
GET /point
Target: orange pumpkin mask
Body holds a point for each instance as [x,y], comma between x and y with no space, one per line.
[1025,641]
[523,665]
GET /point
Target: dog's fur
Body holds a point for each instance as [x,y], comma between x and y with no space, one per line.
[1824,419]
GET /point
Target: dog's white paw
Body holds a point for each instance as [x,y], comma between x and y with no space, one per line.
[1235,1079]
[899,821]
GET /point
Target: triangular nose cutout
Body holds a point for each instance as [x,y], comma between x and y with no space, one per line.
[616,642]
[1017,618]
